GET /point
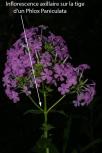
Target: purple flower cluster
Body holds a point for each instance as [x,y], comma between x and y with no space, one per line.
[50,60]
[65,74]
[86,96]
[59,45]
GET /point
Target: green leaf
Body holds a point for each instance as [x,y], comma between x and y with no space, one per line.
[60,112]
[48,127]
[43,143]
[32,111]
[48,89]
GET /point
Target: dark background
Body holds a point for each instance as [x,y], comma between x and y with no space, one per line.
[82,30]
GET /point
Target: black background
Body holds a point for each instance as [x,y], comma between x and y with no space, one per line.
[82,30]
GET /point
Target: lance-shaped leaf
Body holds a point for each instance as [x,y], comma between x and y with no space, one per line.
[32,111]
[48,127]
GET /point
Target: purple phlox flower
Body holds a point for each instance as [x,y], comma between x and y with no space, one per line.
[26,61]
[17,44]
[69,70]
[81,68]
[62,51]
[36,81]
[13,95]
[19,63]
[10,85]
[6,80]
[59,73]
[63,89]
[26,90]
[47,75]
[9,81]
[51,37]
[15,64]
[35,45]
[13,83]
[70,74]
[46,59]
[65,72]
[18,68]
[30,32]
[7,69]
[15,53]
[58,51]
[59,45]
[71,81]
[55,39]
[86,96]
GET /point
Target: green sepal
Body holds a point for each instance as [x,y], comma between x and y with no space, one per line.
[78,87]
[38,68]
[48,47]
[21,81]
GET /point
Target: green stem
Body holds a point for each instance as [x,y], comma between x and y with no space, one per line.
[55,104]
[45,121]
[35,103]
[45,116]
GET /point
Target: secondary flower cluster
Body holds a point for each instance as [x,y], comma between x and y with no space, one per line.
[48,57]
